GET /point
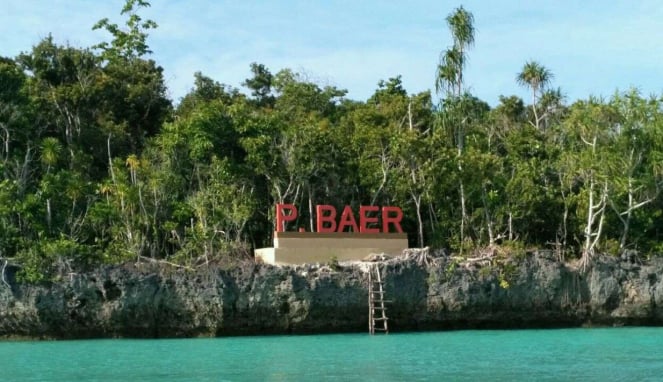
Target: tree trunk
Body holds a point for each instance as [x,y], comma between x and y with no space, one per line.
[536,116]
[420,223]
[310,210]
[486,213]
[48,214]
[593,232]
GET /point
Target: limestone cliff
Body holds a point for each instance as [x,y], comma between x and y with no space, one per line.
[157,301]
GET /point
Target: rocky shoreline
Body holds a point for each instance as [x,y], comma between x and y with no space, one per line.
[156,301]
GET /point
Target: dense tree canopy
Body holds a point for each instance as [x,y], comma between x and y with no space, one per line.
[97,166]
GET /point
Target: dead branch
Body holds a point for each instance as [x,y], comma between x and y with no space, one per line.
[151,260]
[420,255]
[2,272]
[478,259]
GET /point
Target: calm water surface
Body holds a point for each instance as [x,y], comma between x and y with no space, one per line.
[623,354]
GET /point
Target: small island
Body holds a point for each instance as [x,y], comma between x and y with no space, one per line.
[124,213]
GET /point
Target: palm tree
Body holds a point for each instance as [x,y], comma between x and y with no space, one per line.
[50,152]
[537,77]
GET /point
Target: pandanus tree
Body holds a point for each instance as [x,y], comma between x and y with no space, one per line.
[450,77]
[536,77]
[452,61]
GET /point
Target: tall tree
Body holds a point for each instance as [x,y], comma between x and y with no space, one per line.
[131,42]
[590,130]
[450,77]
[261,85]
[134,85]
[635,175]
[453,60]
[537,77]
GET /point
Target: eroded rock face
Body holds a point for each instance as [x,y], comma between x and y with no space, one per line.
[158,301]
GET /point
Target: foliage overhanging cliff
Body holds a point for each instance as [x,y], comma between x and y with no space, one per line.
[98,166]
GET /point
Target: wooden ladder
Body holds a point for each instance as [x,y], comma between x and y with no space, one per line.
[377,314]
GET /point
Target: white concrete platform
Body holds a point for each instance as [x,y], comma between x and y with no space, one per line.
[313,247]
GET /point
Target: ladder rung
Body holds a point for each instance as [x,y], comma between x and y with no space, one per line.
[376,293]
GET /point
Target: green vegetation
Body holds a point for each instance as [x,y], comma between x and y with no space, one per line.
[333,263]
[98,166]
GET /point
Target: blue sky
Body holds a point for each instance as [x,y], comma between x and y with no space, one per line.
[592,49]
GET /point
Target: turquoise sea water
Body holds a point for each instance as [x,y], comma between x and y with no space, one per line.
[622,354]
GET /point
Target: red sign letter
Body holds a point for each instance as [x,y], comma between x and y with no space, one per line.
[347,219]
[322,219]
[281,217]
[396,220]
[365,220]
